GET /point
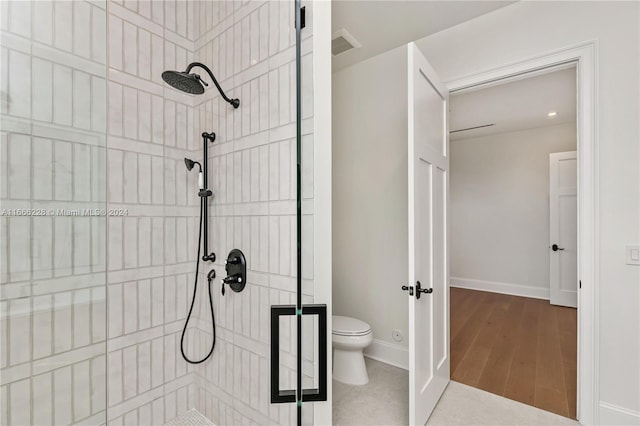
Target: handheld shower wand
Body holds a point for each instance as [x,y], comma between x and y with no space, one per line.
[190,163]
[204,193]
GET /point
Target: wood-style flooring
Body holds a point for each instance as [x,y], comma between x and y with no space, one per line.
[520,348]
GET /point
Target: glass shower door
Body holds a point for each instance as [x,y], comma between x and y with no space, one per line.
[308,320]
[53,217]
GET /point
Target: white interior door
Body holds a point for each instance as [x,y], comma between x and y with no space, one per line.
[563,229]
[428,138]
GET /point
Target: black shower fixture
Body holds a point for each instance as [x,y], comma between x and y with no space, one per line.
[236,267]
[201,177]
[192,83]
[204,193]
[190,163]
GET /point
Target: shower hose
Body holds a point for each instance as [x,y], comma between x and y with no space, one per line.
[193,299]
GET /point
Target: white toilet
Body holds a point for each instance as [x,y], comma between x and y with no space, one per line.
[350,336]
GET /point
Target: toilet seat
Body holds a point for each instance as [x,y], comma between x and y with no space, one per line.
[347,326]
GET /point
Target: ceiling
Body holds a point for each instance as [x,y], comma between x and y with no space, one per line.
[383,25]
[517,105]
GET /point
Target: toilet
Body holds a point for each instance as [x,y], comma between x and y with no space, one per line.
[349,337]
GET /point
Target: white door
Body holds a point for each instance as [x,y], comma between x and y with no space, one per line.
[563,228]
[428,137]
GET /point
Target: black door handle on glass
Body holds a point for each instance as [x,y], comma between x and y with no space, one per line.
[556,248]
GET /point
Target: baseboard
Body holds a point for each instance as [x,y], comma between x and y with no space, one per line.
[498,287]
[613,415]
[388,353]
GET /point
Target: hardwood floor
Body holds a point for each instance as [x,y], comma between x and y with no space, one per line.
[520,348]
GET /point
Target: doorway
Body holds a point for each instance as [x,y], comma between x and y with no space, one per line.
[513,239]
[392,162]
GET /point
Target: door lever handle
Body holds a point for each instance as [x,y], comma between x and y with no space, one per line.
[408,288]
[419,290]
[556,248]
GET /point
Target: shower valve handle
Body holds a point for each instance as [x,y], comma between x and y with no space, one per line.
[232,279]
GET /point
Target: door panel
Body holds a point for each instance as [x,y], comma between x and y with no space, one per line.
[424,316]
[429,106]
[440,289]
[563,229]
[568,235]
[428,166]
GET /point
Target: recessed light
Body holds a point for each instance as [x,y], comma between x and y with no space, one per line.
[552,114]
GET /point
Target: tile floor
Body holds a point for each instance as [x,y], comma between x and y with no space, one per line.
[384,401]
[191,418]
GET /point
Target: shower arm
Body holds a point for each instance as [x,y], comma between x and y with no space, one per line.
[234,102]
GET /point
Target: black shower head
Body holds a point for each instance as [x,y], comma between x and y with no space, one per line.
[190,163]
[189,83]
[192,83]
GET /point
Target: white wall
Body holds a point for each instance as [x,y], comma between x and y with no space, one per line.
[499,195]
[526,29]
[370,193]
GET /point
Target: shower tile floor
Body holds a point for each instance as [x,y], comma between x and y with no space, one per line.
[190,418]
[385,401]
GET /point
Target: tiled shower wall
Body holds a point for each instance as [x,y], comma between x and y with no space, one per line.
[53,156]
[251,47]
[151,248]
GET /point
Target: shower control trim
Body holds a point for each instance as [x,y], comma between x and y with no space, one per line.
[236,267]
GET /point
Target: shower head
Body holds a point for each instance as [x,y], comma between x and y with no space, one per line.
[193,84]
[190,163]
[189,83]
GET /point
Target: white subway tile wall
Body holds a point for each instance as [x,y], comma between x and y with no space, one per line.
[53,161]
[151,250]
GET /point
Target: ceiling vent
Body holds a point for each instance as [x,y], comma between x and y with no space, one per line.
[472,128]
[342,41]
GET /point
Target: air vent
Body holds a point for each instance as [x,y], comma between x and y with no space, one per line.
[342,41]
[472,128]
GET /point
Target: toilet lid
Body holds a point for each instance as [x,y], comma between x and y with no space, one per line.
[347,326]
